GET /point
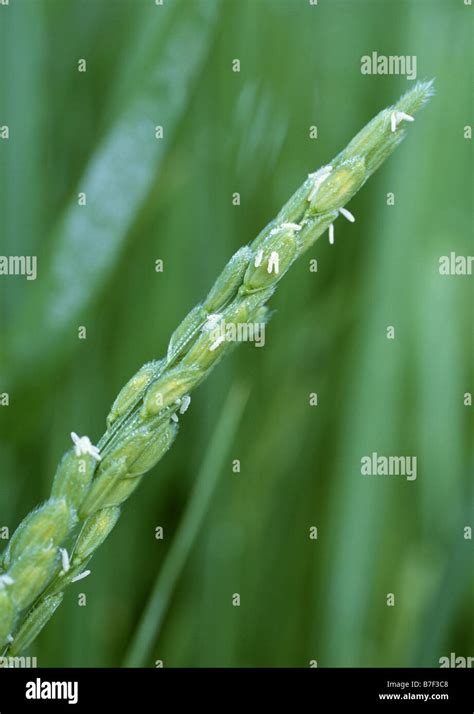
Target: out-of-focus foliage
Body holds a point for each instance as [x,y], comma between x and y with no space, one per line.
[245,132]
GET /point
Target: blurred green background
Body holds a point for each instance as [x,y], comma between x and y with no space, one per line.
[171,199]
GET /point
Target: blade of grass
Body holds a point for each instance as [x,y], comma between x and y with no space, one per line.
[89,239]
[23,98]
[152,619]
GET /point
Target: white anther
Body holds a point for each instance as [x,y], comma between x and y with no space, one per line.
[81,576]
[5,580]
[211,322]
[291,226]
[9,639]
[216,343]
[397,117]
[83,445]
[65,559]
[347,214]
[174,418]
[274,262]
[258,258]
[331,234]
[185,402]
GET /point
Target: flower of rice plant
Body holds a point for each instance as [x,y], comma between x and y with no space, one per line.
[53,545]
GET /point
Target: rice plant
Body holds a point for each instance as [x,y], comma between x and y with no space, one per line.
[92,482]
[241,514]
